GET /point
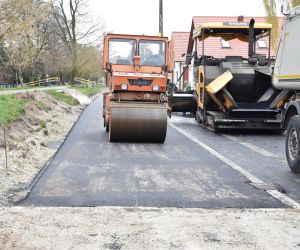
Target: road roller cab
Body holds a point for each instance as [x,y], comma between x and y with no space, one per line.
[137,69]
[234,91]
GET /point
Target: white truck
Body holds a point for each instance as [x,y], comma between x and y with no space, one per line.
[287,76]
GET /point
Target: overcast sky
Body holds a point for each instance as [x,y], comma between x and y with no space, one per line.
[141,16]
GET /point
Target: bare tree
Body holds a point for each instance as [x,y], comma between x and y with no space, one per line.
[90,62]
[271,7]
[292,3]
[75,28]
[39,37]
[271,11]
[24,34]
[11,11]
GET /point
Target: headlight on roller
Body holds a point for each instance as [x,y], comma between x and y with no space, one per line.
[124,86]
[155,88]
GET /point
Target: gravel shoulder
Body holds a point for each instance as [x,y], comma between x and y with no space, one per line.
[148,228]
[32,141]
[12,92]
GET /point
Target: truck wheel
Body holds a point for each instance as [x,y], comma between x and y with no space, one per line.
[292,144]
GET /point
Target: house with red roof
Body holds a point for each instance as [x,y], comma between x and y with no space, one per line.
[180,43]
[214,46]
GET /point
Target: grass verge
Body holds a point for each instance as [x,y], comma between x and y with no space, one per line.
[90,91]
[59,96]
[11,108]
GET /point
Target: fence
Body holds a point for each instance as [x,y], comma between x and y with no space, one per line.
[44,82]
[81,81]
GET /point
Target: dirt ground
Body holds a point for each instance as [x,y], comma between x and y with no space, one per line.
[148,228]
[30,145]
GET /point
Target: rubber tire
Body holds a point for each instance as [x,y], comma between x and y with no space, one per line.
[294,123]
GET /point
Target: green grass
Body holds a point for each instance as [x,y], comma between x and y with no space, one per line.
[90,91]
[59,96]
[11,108]
[43,124]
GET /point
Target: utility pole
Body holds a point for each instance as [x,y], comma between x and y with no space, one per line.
[161,24]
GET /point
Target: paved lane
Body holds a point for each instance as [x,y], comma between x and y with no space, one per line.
[90,171]
[250,150]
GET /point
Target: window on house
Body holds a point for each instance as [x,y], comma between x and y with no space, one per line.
[261,43]
[225,44]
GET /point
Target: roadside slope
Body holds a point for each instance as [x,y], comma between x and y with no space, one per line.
[32,139]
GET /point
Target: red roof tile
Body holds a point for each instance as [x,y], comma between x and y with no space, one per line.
[180,40]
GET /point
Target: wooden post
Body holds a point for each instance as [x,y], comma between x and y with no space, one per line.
[5,148]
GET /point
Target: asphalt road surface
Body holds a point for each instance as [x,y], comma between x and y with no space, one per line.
[193,168]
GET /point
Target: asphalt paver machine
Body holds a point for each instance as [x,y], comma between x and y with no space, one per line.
[235,92]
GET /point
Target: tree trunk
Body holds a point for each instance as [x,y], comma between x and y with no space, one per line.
[74,70]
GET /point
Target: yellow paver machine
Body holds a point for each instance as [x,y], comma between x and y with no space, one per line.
[234,92]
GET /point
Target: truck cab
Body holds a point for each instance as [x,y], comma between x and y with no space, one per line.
[286,76]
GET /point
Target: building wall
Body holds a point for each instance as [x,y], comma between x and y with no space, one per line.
[178,69]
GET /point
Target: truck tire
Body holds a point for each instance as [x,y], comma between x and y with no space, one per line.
[292,144]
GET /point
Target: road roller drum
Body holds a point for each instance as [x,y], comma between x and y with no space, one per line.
[138,122]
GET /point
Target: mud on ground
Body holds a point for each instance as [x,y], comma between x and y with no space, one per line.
[31,141]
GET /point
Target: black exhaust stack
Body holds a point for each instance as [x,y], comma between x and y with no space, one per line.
[251,38]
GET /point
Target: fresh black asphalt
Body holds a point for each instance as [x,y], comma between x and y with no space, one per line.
[90,171]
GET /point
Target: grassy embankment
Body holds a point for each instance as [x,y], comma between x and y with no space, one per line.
[11,108]
[90,91]
[61,97]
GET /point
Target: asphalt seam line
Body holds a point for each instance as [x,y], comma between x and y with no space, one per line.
[276,194]
[256,149]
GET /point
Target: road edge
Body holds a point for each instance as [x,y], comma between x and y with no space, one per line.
[25,191]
